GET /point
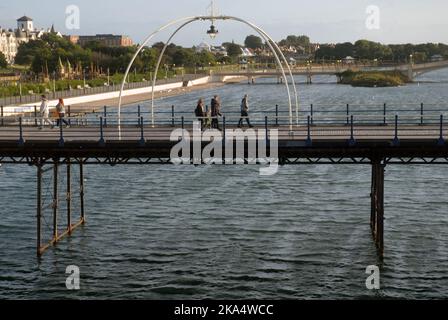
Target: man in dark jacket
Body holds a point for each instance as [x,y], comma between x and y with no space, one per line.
[216,112]
[245,112]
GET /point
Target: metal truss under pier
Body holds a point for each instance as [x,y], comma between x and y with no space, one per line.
[50,157]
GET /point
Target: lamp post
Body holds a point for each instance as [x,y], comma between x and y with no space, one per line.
[54,83]
[212,32]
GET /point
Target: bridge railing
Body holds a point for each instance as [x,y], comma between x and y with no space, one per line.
[374,113]
[76,92]
[101,130]
[320,115]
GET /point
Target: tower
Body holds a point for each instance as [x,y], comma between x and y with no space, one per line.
[25,23]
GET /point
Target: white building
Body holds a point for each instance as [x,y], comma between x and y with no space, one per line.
[11,39]
[220,50]
[437,57]
[203,47]
[8,44]
[348,60]
[247,53]
[26,24]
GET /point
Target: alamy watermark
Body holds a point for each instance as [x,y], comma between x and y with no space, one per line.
[226,148]
[373,280]
[373,20]
[73,280]
[72,17]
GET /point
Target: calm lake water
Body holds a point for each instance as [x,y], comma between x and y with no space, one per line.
[166,232]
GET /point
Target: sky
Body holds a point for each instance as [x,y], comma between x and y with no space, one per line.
[324,21]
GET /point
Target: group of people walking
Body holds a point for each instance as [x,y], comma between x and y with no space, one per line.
[210,119]
[45,114]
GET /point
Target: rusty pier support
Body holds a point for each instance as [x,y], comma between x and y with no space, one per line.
[39,207]
[56,235]
[377,205]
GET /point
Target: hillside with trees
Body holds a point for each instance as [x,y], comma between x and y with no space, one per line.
[369,50]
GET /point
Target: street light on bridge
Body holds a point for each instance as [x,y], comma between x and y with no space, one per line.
[212,32]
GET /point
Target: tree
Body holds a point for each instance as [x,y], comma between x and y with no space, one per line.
[148,57]
[28,51]
[372,50]
[3,62]
[253,42]
[206,58]
[342,50]
[44,54]
[184,57]
[233,49]
[326,52]
[296,41]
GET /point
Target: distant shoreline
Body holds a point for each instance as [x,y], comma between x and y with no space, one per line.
[130,100]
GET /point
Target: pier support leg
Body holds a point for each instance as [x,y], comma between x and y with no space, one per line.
[69,197]
[377,205]
[81,192]
[55,201]
[56,236]
[39,208]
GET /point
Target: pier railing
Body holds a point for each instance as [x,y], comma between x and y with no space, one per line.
[349,122]
[75,92]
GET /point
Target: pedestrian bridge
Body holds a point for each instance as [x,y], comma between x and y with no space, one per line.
[411,70]
[341,129]
[375,135]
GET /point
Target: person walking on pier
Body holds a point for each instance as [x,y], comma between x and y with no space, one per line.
[245,112]
[200,112]
[60,109]
[216,112]
[45,113]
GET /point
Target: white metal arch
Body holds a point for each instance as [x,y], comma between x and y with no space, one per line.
[263,34]
[271,43]
[296,95]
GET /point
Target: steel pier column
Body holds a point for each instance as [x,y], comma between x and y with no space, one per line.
[81,191]
[377,205]
[69,197]
[55,200]
[39,208]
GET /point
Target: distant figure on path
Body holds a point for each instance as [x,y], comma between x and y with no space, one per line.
[216,112]
[60,109]
[245,112]
[200,112]
[45,113]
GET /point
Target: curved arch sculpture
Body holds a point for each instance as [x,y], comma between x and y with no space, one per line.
[186,21]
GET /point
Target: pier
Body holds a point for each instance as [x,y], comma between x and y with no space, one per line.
[411,70]
[378,136]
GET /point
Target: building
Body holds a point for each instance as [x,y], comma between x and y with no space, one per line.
[349,60]
[247,52]
[25,32]
[26,24]
[436,58]
[219,50]
[203,46]
[108,40]
[8,44]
